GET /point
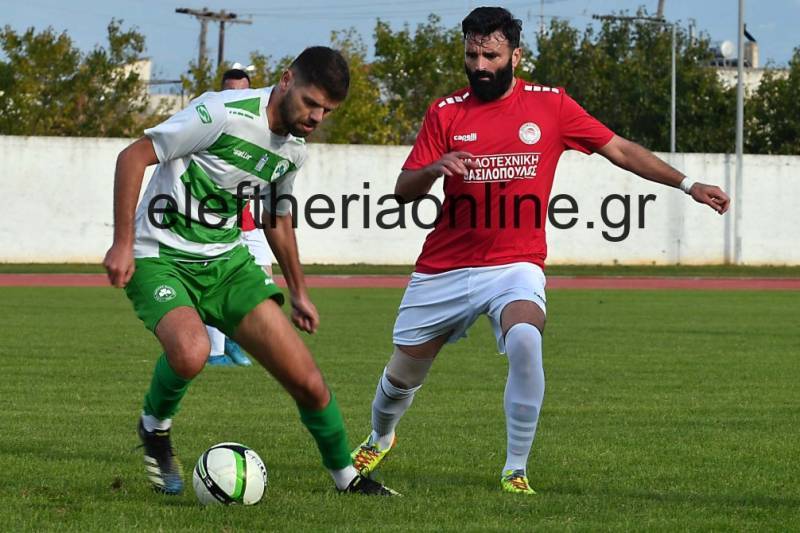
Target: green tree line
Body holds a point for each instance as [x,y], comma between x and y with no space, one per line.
[619,71]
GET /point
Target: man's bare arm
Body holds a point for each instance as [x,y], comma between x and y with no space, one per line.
[644,163]
[281,238]
[131,164]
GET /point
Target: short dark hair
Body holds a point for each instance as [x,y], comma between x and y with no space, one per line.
[325,68]
[487,20]
[235,74]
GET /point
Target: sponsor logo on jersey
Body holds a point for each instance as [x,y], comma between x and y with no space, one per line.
[530,133]
[205,116]
[467,138]
[262,162]
[164,293]
[247,156]
[503,167]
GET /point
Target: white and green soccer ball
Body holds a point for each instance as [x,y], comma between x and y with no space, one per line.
[229,473]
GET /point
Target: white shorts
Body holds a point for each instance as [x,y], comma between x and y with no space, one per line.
[435,304]
[256,242]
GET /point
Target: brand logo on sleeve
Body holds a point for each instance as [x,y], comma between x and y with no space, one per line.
[205,116]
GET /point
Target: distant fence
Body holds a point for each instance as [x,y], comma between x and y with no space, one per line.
[57,207]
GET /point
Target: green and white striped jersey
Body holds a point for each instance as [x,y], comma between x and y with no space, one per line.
[205,152]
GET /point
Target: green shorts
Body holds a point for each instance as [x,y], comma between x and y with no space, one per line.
[223,290]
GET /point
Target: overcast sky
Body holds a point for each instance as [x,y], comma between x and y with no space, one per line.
[285,28]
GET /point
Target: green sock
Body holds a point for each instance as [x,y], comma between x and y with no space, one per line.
[166,391]
[327,428]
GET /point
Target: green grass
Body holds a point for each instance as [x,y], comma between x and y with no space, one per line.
[387,270]
[664,411]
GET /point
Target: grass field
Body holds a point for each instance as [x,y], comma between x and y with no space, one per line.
[664,411]
[716,271]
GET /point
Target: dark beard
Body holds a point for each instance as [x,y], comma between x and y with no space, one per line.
[495,87]
[286,118]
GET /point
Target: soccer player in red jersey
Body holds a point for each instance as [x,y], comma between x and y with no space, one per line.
[497,144]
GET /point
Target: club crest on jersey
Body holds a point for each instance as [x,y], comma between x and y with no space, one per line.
[530,133]
[280,169]
[164,293]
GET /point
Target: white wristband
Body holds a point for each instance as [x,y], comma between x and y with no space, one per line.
[686,184]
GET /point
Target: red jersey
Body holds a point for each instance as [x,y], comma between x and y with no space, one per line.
[248,224]
[496,214]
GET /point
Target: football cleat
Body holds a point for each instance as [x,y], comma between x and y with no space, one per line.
[515,481]
[235,352]
[162,467]
[219,360]
[363,485]
[368,456]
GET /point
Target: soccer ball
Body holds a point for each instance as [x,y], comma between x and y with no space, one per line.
[229,473]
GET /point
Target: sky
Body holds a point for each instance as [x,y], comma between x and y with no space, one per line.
[285,28]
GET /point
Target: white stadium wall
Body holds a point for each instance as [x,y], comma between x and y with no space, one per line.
[57,207]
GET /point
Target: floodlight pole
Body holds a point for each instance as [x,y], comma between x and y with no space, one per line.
[737,218]
[673,92]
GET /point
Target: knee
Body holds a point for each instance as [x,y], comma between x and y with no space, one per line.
[524,348]
[406,372]
[311,392]
[189,355]
[525,336]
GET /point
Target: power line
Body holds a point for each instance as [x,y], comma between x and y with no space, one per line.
[204,16]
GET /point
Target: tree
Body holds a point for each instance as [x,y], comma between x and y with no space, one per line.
[204,77]
[362,118]
[201,77]
[621,74]
[414,69]
[266,73]
[773,113]
[48,87]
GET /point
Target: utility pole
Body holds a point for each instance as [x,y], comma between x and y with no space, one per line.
[204,15]
[541,17]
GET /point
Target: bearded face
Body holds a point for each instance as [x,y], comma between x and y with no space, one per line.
[489,63]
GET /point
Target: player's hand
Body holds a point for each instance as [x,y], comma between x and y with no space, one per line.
[304,313]
[119,264]
[454,164]
[711,195]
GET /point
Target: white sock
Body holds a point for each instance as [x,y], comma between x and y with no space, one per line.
[388,407]
[217,339]
[343,477]
[524,392]
[152,423]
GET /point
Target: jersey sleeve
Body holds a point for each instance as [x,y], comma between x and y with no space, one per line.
[430,145]
[580,130]
[282,189]
[188,131]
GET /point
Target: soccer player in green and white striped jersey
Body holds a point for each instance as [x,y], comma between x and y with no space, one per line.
[182,263]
